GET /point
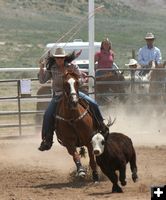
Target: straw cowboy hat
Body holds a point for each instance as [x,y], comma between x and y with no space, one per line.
[131,62]
[59,52]
[149,36]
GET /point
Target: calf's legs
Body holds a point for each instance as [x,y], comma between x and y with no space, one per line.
[113,178]
[133,166]
[122,175]
[92,163]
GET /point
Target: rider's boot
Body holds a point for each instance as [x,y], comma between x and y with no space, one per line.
[46,144]
[103,128]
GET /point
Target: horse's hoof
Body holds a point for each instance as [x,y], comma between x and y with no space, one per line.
[81,172]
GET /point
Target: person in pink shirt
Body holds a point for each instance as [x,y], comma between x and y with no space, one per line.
[105,57]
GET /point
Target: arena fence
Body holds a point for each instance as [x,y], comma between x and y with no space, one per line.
[12,101]
[18,99]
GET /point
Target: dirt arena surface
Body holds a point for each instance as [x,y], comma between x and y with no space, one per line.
[27,174]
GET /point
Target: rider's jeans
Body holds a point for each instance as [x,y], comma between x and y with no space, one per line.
[49,120]
[93,106]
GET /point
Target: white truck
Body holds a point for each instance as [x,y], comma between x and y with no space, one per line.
[76,45]
[83,60]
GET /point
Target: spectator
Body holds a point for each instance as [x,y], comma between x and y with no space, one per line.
[134,70]
[105,57]
[133,64]
[147,54]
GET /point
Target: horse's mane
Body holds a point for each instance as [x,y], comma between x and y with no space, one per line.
[71,72]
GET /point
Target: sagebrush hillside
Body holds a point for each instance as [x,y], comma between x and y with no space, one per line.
[28,25]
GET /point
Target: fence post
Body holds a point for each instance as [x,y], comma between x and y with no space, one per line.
[19,107]
[133,53]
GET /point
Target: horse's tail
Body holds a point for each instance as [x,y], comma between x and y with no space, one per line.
[82,152]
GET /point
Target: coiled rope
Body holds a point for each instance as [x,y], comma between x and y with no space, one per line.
[76,27]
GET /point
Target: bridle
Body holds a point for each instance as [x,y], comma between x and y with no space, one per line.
[71,95]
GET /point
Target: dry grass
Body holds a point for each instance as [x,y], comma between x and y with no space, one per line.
[27,26]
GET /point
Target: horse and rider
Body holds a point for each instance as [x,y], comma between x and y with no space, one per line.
[53,67]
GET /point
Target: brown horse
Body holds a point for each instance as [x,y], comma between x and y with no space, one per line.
[111,82]
[74,123]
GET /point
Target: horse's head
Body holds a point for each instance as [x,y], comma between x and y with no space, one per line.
[71,85]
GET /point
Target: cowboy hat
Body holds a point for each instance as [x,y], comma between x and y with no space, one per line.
[149,36]
[59,52]
[131,62]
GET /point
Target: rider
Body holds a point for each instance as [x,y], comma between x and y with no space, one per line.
[148,53]
[55,67]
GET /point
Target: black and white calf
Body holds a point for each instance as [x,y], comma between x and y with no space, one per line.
[113,152]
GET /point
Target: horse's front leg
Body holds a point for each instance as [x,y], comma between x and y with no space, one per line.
[76,157]
[92,163]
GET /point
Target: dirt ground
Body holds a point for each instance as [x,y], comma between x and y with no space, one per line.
[27,174]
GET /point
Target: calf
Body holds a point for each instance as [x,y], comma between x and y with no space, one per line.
[112,153]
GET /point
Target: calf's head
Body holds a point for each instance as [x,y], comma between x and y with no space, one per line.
[98,142]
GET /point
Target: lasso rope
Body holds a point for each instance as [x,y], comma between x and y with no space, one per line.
[79,24]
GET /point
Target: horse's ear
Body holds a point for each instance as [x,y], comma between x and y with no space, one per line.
[68,71]
[71,71]
[65,72]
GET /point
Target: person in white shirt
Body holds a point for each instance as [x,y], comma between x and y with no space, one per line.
[133,64]
[147,54]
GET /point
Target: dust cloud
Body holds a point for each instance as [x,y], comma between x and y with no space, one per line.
[144,125]
[24,152]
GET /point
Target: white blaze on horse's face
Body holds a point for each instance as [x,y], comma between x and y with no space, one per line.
[98,142]
[73,92]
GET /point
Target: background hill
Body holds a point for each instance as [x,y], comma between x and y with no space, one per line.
[28,25]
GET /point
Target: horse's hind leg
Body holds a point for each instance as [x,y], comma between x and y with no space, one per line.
[92,163]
